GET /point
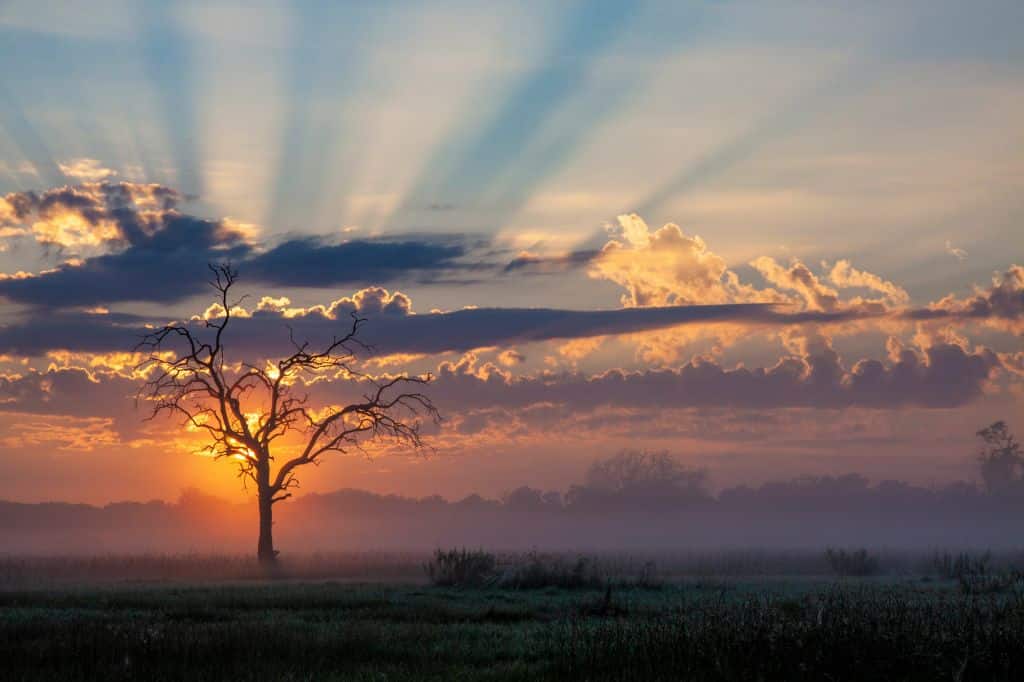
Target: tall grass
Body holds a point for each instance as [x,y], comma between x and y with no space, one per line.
[855,562]
[868,634]
[303,631]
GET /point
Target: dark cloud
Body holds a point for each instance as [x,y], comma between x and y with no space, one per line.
[530,263]
[164,266]
[38,334]
[315,262]
[155,252]
[482,327]
[391,329]
[68,391]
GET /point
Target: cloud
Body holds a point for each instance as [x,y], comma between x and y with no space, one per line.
[132,242]
[392,328]
[943,375]
[845,276]
[73,392]
[798,277]
[34,431]
[35,335]
[511,358]
[957,253]
[315,262]
[533,264]
[667,267]
[15,208]
[473,328]
[92,213]
[1001,303]
[90,170]
[164,262]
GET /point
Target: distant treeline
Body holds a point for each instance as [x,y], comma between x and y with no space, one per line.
[633,500]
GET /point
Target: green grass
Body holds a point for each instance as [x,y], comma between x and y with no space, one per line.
[699,629]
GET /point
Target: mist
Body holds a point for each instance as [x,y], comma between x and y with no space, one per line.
[632,501]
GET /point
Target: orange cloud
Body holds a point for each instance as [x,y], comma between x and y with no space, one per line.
[668,267]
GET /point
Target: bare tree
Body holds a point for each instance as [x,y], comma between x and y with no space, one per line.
[246,409]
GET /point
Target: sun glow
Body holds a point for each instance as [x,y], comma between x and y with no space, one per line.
[247,456]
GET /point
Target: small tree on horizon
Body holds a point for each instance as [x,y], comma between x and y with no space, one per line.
[245,409]
[1001,458]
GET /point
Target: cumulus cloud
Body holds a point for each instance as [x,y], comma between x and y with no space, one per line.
[942,375]
[667,267]
[1002,303]
[845,276]
[798,278]
[92,213]
[14,209]
[511,358]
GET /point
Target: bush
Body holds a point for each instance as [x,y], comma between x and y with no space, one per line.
[461,568]
[537,571]
[853,563]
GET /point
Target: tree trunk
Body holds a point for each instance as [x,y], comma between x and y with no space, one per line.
[265,550]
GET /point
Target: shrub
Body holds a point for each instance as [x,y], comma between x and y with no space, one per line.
[851,563]
[461,568]
[536,571]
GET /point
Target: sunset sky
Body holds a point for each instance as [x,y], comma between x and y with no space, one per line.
[529,200]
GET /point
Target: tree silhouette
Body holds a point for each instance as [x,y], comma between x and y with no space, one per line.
[1001,458]
[632,478]
[246,409]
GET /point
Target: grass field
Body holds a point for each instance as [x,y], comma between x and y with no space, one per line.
[900,627]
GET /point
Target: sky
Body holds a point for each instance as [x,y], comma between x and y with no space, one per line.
[773,238]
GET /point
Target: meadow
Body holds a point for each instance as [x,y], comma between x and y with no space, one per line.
[728,616]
